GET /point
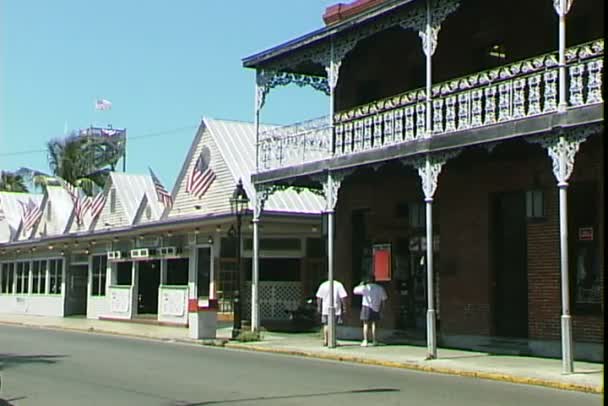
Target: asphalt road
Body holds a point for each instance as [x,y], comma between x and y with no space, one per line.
[47,367]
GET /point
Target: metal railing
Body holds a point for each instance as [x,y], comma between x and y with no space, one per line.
[515,91]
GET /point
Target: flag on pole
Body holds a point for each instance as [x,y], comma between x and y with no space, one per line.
[31,214]
[201,176]
[97,204]
[161,193]
[103,104]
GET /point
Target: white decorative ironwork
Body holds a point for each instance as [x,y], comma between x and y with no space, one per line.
[437,116]
[534,95]
[268,79]
[519,87]
[331,187]
[450,113]
[504,101]
[463,110]
[576,84]
[389,137]
[515,91]
[367,133]
[429,40]
[550,91]
[420,120]
[262,193]
[490,94]
[476,108]
[377,139]
[562,147]
[562,7]
[594,85]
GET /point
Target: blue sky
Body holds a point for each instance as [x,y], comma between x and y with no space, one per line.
[162,64]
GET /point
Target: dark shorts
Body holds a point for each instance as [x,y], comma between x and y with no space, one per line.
[324,319]
[367,314]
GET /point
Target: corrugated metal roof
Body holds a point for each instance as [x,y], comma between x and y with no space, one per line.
[13,211]
[236,141]
[61,207]
[131,190]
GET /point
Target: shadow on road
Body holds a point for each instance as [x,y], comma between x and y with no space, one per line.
[309,395]
[8,360]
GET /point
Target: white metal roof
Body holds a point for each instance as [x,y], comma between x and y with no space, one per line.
[131,190]
[13,211]
[236,141]
[61,207]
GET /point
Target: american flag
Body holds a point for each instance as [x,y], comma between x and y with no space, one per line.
[31,214]
[201,176]
[161,193]
[97,204]
[103,104]
[81,202]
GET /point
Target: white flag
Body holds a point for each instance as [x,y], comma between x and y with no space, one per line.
[103,104]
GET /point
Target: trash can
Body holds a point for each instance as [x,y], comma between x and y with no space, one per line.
[202,318]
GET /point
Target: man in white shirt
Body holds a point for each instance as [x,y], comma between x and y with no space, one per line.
[374,296]
[323,300]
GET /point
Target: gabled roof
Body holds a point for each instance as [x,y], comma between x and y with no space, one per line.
[13,212]
[156,209]
[58,201]
[236,142]
[130,191]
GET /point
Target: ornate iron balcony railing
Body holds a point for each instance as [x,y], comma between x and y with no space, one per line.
[519,90]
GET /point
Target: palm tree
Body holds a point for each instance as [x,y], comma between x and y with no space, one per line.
[12,182]
[72,159]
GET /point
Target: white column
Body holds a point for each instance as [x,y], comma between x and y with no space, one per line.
[330,188]
[134,289]
[562,7]
[429,174]
[429,44]
[255,277]
[47,277]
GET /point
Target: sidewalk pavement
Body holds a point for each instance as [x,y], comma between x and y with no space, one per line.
[588,377]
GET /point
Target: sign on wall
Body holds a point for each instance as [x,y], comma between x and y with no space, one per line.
[173,302]
[382,262]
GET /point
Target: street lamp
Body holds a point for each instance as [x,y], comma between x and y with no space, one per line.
[239,203]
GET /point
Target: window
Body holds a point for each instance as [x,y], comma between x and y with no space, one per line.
[55,276]
[39,276]
[7,278]
[535,204]
[123,273]
[177,271]
[22,276]
[36,277]
[98,277]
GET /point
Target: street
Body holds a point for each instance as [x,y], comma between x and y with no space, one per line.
[47,367]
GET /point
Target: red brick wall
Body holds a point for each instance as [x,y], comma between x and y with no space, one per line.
[462,205]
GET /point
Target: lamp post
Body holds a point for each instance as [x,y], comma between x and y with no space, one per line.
[239,203]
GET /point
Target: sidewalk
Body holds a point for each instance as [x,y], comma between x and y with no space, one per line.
[588,377]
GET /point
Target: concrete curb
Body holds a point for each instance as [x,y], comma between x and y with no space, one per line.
[428,368]
[337,357]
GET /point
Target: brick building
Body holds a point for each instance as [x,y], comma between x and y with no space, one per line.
[470,129]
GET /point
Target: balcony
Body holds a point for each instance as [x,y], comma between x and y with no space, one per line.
[516,91]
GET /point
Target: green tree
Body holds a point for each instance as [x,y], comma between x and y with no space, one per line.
[74,159]
[12,182]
